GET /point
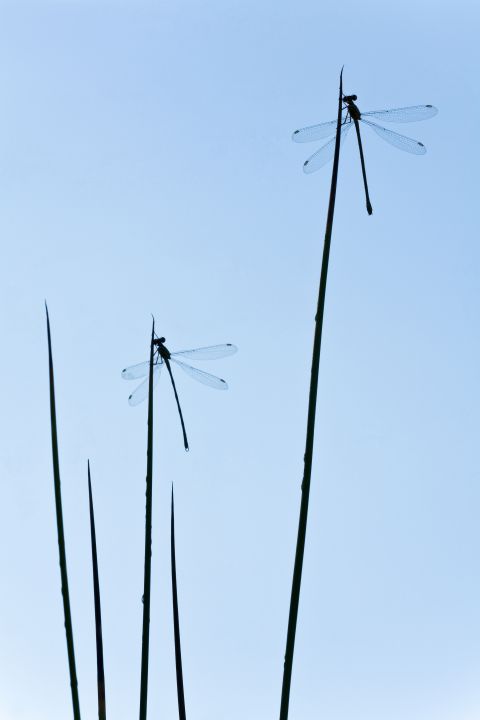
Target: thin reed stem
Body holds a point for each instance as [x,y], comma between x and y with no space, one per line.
[148,543]
[312,402]
[61,534]
[102,714]
[176,621]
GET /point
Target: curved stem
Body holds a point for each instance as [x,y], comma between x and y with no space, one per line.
[312,403]
[98,611]
[61,534]
[176,621]
[148,544]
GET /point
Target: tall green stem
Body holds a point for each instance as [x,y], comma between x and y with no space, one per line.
[102,714]
[148,544]
[176,621]
[61,534]
[312,403]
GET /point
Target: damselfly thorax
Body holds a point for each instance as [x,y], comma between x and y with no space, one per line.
[353,110]
[162,351]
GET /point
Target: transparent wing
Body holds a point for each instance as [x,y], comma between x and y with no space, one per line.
[326,153]
[403,115]
[137,371]
[399,141]
[203,377]
[141,392]
[213,352]
[315,132]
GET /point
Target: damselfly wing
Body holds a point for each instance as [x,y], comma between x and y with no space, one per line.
[213,352]
[163,357]
[312,133]
[351,116]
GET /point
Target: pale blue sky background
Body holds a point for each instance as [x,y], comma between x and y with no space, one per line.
[146,166]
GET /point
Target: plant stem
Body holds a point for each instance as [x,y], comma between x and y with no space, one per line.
[61,534]
[312,402]
[148,544]
[176,621]
[98,611]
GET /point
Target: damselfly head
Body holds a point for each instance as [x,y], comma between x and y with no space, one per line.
[349,98]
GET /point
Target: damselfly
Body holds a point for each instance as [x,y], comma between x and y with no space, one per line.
[353,116]
[163,357]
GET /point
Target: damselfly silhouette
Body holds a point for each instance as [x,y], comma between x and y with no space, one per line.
[353,116]
[162,356]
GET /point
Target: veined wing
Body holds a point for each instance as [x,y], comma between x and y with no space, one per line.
[315,132]
[213,352]
[326,153]
[399,141]
[201,376]
[403,115]
[141,392]
[137,371]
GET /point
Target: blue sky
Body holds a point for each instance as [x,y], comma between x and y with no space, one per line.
[146,166]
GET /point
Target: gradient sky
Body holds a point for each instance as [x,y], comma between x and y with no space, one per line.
[146,166]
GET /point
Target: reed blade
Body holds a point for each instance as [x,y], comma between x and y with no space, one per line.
[98,611]
[312,403]
[176,621]
[148,543]
[61,534]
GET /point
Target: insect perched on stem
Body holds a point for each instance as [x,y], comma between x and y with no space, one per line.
[163,357]
[351,115]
